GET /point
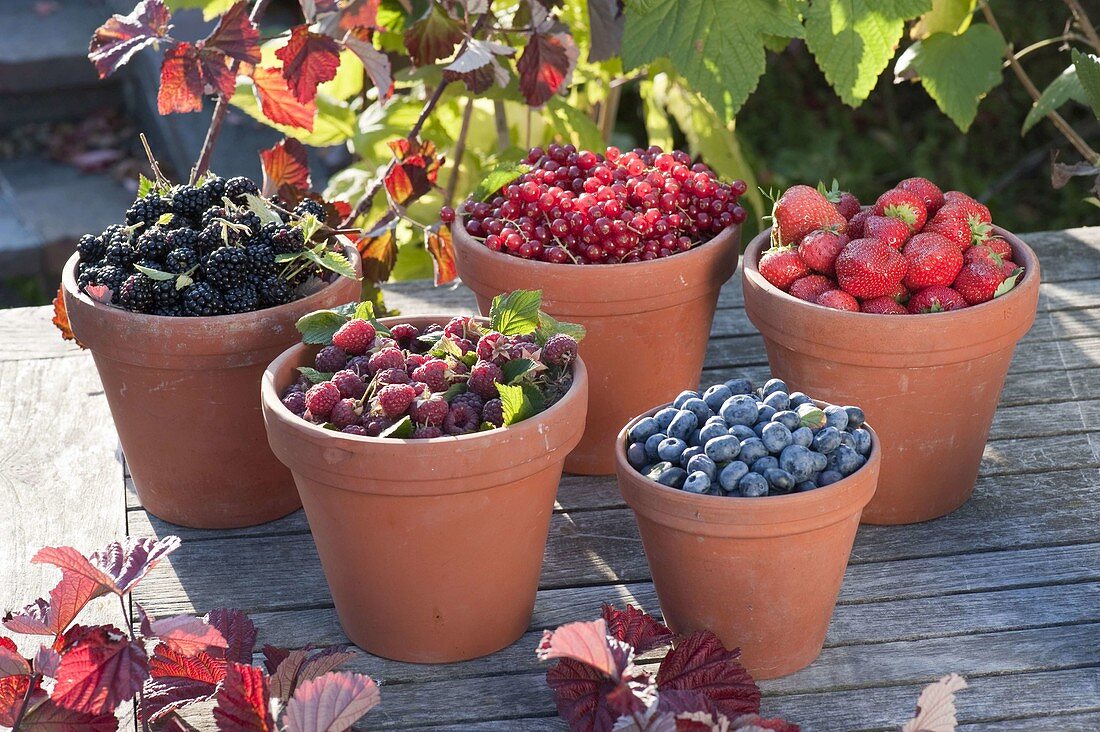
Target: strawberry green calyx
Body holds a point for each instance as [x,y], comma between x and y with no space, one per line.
[902,213]
[979,230]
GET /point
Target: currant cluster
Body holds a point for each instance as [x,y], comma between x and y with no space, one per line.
[581,207]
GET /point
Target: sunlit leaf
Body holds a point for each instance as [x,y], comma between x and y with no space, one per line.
[331,702]
[114,42]
[242,701]
[636,628]
[936,706]
[285,166]
[236,35]
[278,102]
[434,36]
[438,241]
[308,60]
[100,668]
[701,664]
[545,65]
[374,61]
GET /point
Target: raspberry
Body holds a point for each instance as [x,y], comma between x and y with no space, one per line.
[344,413]
[487,347]
[349,384]
[460,327]
[493,412]
[321,398]
[483,379]
[414,361]
[461,419]
[374,424]
[560,350]
[392,376]
[464,344]
[360,365]
[404,334]
[330,359]
[395,399]
[355,429]
[355,337]
[433,373]
[473,400]
[432,410]
[426,433]
[387,358]
[295,401]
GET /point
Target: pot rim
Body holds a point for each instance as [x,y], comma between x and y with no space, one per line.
[275,406]
[752,253]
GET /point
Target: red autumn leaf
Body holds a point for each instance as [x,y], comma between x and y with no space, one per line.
[434,36]
[61,317]
[13,690]
[360,14]
[331,702]
[285,166]
[181,83]
[588,643]
[374,61]
[46,661]
[274,657]
[12,662]
[636,628]
[185,634]
[700,663]
[127,562]
[277,101]
[50,717]
[237,629]
[439,245]
[298,666]
[242,701]
[114,42]
[414,170]
[34,619]
[100,669]
[309,59]
[581,694]
[546,62]
[755,721]
[378,250]
[236,35]
[174,723]
[477,66]
[177,680]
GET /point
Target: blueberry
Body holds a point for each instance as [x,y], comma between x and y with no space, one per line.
[671,449]
[778,400]
[765,412]
[702,463]
[821,461]
[836,417]
[683,425]
[635,455]
[775,437]
[802,436]
[654,471]
[811,416]
[716,396]
[739,386]
[741,432]
[798,399]
[862,440]
[752,450]
[828,477]
[689,453]
[753,485]
[699,408]
[806,485]
[651,445]
[847,439]
[740,409]
[827,440]
[758,429]
[644,429]
[723,449]
[788,419]
[697,482]
[711,430]
[683,397]
[845,460]
[765,464]
[856,417]
[780,480]
[772,385]
[673,477]
[798,461]
[716,419]
[693,438]
[665,417]
[732,474]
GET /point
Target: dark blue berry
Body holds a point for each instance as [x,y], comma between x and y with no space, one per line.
[653,472]
[699,408]
[780,480]
[773,385]
[740,409]
[821,461]
[836,417]
[643,430]
[845,460]
[697,482]
[778,400]
[741,432]
[711,430]
[788,419]
[665,417]
[635,455]
[671,448]
[673,477]
[828,477]
[775,437]
[764,464]
[753,485]
[855,417]
[702,463]
[802,436]
[651,444]
[752,450]
[683,425]
[827,440]
[689,453]
[862,439]
[765,412]
[798,461]
[716,396]
[798,399]
[683,396]
[722,449]
[731,475]
[847,439]
[805,485]
[739,386]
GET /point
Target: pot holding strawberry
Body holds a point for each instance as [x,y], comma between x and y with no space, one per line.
[819,285]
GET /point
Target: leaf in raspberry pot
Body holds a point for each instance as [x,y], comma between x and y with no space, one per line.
[12,662]
[546,63]
[114,42]
[278,102]
[285,166]
[242,701]
[438,241]
[181,83]
[309,59]
[100,669]
[13,690]
[50,717]
[477,66]
[701,663]
[374,61]
[236,35]
[332,702]
[636,627]
[434,36]
[238,630]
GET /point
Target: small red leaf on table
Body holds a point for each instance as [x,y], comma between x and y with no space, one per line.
[582,695]
[127,562]
[636,628]
[236,35]
[238,630]
[13,690]
[285,166]
[184,634]
[332,702]
[546,62]
[100,668]
[292,668]
[434,36]
[701,664]
[278,102]
[309,59]
[242,701]
[438,240]
[114,42]
[177,680]
[755,721]
[34,619]
[50,717]
[374,61]
[586,642]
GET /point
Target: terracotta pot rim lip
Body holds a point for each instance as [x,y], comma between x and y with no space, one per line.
[750,272]
[275,405]
[68,280]
[790,500]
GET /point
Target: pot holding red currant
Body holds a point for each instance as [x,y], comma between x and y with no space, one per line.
[912,308]
[427,452]
[633,246]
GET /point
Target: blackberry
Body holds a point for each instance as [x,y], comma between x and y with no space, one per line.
[274,291]
[147,210]
[113,234]
[241,299]
[309,206]
[109,275]
[180,260]
[190,202]
[165,294]
[136,294]
[174,221]
[263,259]
[287,241]
[153,244]
[120,254]
[249,219]
[215,212]
[226,267]
[174,310]
[235,188]
[201,299]
[214,187]
[91,248]
[86,272]
[209,239]
[177,238]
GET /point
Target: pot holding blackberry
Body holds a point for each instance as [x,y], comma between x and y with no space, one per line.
[662,236]
[182,307]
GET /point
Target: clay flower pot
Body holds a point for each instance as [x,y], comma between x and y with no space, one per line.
[183,395]
[431,547]
[929,383]
[762,573]
[648,324]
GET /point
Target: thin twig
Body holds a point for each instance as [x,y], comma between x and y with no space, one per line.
[609,110]
[152,160]
[1083,22]
[460,150]
[36,679]
[500,121]
[1039,44]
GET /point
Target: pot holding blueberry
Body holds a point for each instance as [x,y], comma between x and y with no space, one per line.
[747,501]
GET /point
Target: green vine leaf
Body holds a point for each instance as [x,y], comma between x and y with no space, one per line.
[517,368]
[1067,86]
[314,376]
[319,326]
[332,261]
[1088,71]
[946,16]
[263,209]
[401,430]
[1009,283]
[155,274]
[550,327]
[516,313]
[497,178]
[516,406]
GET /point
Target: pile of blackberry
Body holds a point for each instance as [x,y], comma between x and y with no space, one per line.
[221,255]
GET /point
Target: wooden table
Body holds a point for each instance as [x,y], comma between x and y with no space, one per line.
[1005,591]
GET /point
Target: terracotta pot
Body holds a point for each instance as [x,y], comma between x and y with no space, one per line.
[183,395]
[431,548]
[762,573]
[648,324]
[930,383]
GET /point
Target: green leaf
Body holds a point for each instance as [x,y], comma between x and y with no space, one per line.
[516,313]
[165,219]
[144,186]
[938,60]
[319,326]
[454,390]
[314,376]
[348,309]
[1088,71]
[430,339]
[549,327]
[263,209]
[1009,282]
[573,124]
[516,406]
[446,346]
[499,177]
[155,274]
[1067,86]
[365,310]
[717,45]
[333,261]
[400,430]
[184,281]
[287,257]
[534,397]
[946,16]
[516,369]
[853,41]
[309,224]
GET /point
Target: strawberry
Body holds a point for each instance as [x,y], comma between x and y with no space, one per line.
[1008,268]
[978,281]
[800,210]
[884,305]
[838,300]
[856,224]
[869,268]
[954,223]
[819,249]
[982,253]
[887,229]
[904,206]
[846,203]
[972,207]
[999,245]
[933,260]
[809,287]
[925,190]
[936,299]
[781,266]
